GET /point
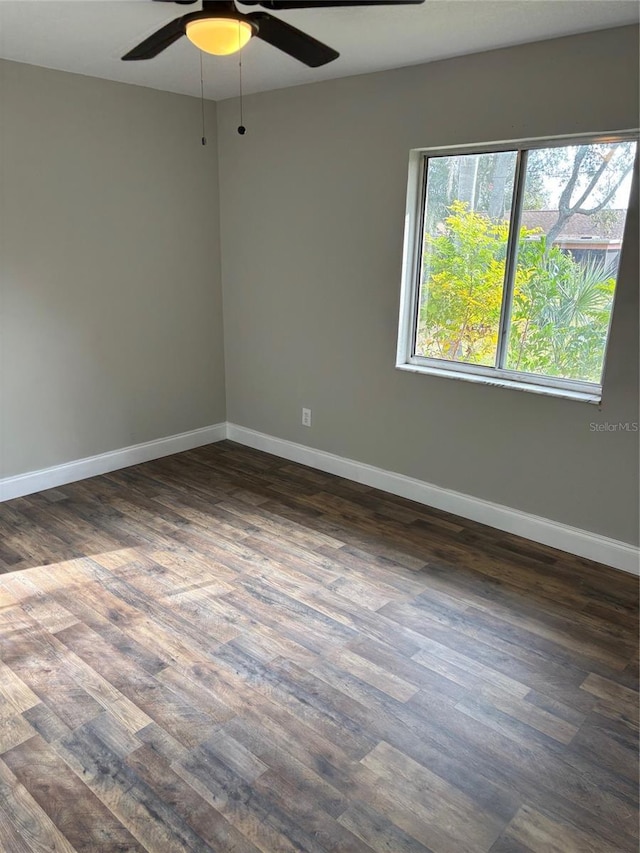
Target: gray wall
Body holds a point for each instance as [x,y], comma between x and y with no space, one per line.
[110,301]
[312,202]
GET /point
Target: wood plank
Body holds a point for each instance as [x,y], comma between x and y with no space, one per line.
[27,818]
[533,831]
[151,821]
[451,821]
[76,812]
[207,822]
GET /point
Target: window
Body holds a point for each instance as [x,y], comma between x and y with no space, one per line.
[511,261]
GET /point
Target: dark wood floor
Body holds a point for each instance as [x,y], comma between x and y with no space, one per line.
[224,651]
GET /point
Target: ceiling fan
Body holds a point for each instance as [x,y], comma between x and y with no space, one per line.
[221,28]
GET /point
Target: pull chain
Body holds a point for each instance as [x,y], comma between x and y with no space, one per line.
[241,128]
[204,137]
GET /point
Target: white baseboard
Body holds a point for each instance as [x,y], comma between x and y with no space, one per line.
[103,463]
[573,540]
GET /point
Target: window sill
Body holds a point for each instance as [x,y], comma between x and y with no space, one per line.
[500,382]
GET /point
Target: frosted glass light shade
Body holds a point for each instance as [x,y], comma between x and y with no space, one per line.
[220,36]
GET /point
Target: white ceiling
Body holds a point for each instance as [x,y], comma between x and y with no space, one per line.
[89,36]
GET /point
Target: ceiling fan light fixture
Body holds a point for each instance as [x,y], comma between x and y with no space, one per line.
[220,36]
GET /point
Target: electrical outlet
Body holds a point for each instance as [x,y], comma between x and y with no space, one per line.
[306,417]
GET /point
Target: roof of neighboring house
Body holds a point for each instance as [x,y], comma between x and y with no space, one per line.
[607,224]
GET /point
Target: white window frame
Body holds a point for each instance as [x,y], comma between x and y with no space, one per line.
[406,359]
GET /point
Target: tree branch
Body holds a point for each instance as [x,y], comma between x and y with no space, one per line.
[566,210]
[585,195]
[607,199]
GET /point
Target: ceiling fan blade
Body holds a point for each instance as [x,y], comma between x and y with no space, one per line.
[292,41]
[323,4]
[158,41]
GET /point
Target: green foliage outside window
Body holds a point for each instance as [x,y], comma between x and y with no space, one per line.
[560,311]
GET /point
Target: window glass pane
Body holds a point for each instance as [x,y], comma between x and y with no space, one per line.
[466,226]
[575,205]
